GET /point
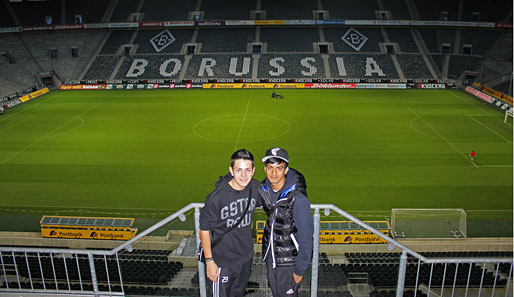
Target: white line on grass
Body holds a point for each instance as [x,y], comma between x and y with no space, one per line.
[481,109]
[243,122]
[444,138]
[471,117]
[46,135]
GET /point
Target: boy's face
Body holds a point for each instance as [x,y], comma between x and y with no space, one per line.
[242,171]
[276,174]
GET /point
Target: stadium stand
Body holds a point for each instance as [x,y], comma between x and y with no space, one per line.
[435,38]
[227,10]
[115,40]
[404,40]
[414,66]
[163,10]
[480,41]
[91,11]
[363,39]
[288,9]
[172,42]
[291,66]
[225,40]
[362,66]
[6,19]
[102,67]
[219,66]
[124,9]
[398,9]
[289,40]
[35,13]
[504,87]
[357,10]
[431,10]
[459,63]
[155,67]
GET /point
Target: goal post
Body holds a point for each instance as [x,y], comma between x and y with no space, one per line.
[508,113]
[428,223]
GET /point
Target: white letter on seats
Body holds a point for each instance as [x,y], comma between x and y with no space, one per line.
[206,66]
[175,70]
[376,69]
[340,66]
[305,63]
[137,68]
[280,69]
[233,66]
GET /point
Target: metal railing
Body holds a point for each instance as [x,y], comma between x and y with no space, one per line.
[98,272]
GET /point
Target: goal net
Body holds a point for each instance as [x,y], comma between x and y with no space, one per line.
[428,223]
[508,113]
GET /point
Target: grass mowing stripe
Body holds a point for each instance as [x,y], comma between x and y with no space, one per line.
[243,122]
[483,125]
[47,135]
[444,138]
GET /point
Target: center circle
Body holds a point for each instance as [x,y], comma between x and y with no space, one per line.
[241,128]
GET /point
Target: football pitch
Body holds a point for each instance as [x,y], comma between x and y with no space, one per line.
[148,153]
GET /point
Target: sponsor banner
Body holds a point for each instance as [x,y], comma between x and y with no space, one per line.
[331,22]
[12,103]
[123,25]
[254,86]
[503,25]
[431,86]
[95,26]
[179,24]
[151,24]
[88,234]
[339,238]
[11,30]
[299,22]
[479,94]
[36,28]
[240,23]
[209,23]
[83,87]
[330,86]
[68,27]
[381,86]
[34,95]
[9,97]
[269,22]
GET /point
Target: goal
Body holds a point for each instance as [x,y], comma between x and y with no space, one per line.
[428,223]
[508,113]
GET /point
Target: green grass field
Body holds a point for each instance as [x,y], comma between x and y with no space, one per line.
[146,154]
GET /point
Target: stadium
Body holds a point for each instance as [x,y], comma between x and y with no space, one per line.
[117,117]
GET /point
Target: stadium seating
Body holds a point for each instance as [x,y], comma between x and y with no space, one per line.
[435,38]
[219,66]
[227,10]
[102,67]
[289,40]
[164,10]
[291,66]
[363,66]
[414,66]
[288,9]
[123,10]
[179,37]
[91,11]
[355,10]
[115,40]
[404,39]
[398,9]
[6,19]
[357,40]
[431,10]
[33,13]
[225,40]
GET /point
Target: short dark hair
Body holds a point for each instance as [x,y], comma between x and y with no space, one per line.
[274,160]
[241,154]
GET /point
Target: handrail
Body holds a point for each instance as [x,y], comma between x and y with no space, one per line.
[314,281]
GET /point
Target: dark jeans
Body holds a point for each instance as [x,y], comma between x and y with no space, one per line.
[281,281]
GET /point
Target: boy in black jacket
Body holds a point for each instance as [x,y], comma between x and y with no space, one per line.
[288,236]
[229,263]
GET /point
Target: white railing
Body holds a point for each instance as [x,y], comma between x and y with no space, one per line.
[72,272]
